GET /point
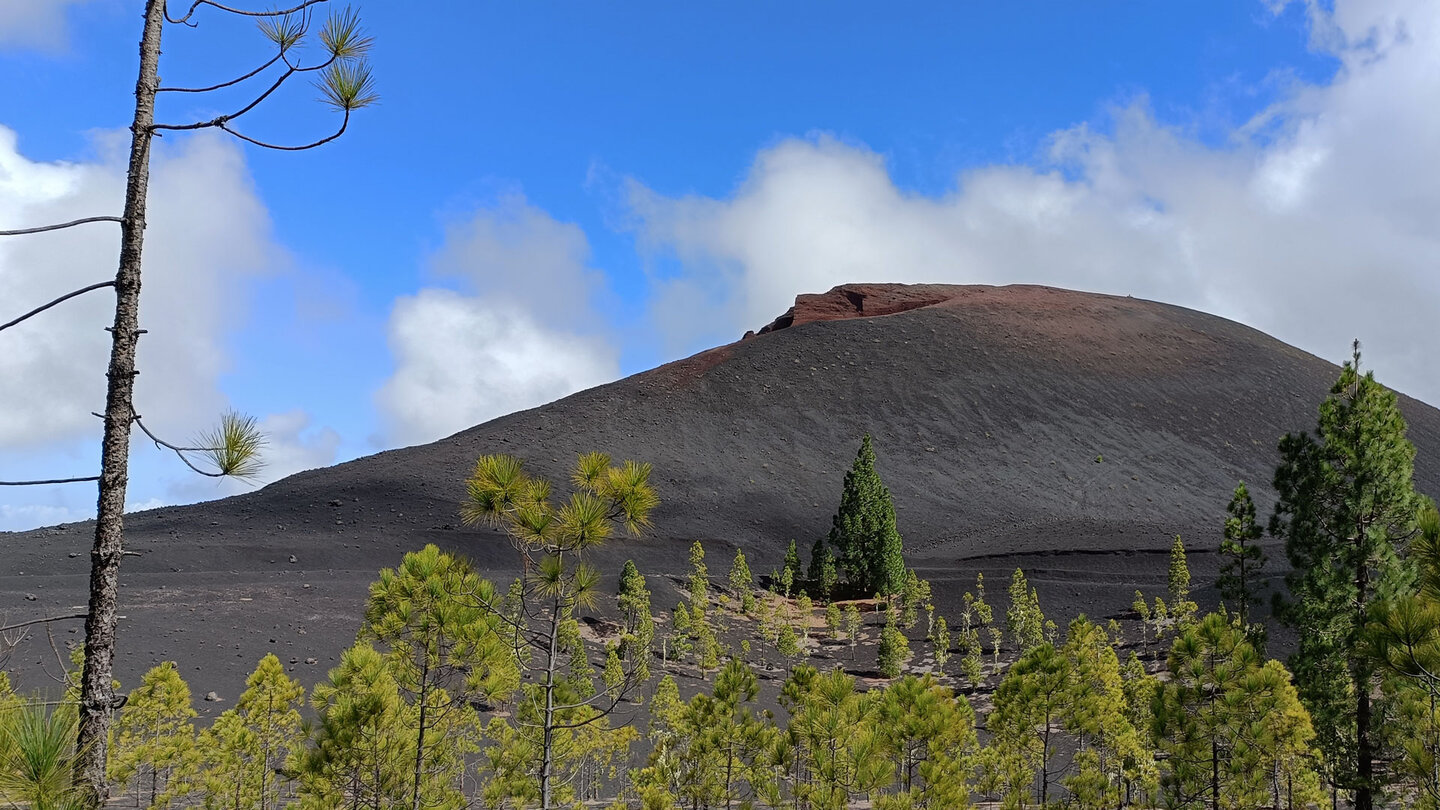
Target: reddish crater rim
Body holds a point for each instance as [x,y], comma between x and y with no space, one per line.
[849,301]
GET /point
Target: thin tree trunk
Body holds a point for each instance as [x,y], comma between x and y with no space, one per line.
[1364,754]
[97,694]
[1045,765]
[265,760]
[1365,766]
[547,751]
[420,736]
[1214,775]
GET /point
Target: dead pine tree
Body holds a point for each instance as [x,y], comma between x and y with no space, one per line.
[341,73]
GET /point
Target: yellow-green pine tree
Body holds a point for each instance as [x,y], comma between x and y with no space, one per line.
[153,733]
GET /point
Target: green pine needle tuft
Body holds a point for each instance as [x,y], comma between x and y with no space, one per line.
[234,447]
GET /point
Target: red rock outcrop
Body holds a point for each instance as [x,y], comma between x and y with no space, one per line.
[860,301]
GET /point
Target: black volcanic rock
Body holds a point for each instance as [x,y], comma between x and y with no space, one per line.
[1069,433]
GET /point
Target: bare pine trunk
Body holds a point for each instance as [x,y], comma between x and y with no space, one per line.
[1364,753]
[97,695]
[547,747]
[420,737]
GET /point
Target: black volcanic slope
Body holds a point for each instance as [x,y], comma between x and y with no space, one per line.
[1068,433]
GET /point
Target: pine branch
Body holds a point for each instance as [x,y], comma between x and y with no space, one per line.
[62,299]
[232,448]
[221,121]
[185,20]
[49,481]
[43,621]
[281,148]
[252,74]
[60,226]
[179,451]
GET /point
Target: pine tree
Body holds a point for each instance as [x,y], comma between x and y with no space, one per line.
[668,737]
[1142,611]
[941,641]
[741,582]
[894,648]
[1024,726]
[790,574]
[633,597]
[1347,507]
[804,609]
[836,752]
[343,76]
[680,630]
[972,657]
[863,532]
[1242,559]
[1177,582]
[443,647]
[732,743]
[1024,620]
[1229,725]
[1140,688]
[822,574]
[553,543]
[833,619]
[238,758]
[852,626]
[888,567]
[913,594]
[1405,638]
[699,575]
[1111,749]
[359,755]
[707,646]
[638,622]
[929,736]
[153,733]
[787,643]
[270,710]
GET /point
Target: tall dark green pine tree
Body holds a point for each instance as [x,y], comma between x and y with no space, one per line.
[863,533]
[1242,559]
[1347,508]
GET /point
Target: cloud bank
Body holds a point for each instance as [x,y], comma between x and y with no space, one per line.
[208,237]
[524,330]
[1315,223]
[207,233]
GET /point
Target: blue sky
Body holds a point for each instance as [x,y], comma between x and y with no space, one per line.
[549,196]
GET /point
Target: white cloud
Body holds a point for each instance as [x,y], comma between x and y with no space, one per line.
[526,331]
[36,24]
[207,232]
[1315,223]
[208,238]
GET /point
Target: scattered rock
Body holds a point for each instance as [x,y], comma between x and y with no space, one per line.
[293,560]
[211,697]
